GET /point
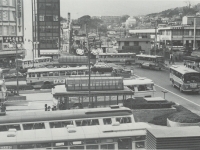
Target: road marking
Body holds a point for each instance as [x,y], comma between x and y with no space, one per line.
[173,93]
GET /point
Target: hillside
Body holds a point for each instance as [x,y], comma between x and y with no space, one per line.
[186,10]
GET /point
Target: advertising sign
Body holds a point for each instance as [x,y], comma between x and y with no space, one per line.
[11,39]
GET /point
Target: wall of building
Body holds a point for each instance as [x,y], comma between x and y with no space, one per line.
[48,27]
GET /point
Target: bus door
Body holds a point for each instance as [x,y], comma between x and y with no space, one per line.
[124,143]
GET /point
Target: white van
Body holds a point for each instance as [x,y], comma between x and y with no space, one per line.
[142,87]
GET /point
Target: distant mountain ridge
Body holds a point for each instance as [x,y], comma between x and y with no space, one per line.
[185,10]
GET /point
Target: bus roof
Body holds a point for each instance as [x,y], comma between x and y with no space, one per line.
[57,92]
[192,58]
[72,134]
[137,81]
[34,58]
[149,56]
[116,53]
[40,116]
[55,69]
[182,69]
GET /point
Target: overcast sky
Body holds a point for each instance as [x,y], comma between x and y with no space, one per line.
[78,8]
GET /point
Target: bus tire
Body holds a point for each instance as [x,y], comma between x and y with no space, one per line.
[180,89]
[159,69]
[173,84]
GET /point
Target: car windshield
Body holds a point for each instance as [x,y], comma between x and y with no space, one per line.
[192,77]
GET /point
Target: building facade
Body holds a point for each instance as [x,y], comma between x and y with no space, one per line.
[132,43]
[46,27]
[177,37]
[11,32]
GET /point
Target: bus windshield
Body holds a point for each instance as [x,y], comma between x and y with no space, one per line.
[192,77]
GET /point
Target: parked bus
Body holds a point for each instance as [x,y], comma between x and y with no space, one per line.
[142,87]
[150,61]
[40,76]
[60,119]
[186,79]
[123,58]
[115,136]
[70,61]
[38,62]
[192,62]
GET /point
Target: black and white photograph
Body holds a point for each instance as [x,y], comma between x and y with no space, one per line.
[100,74]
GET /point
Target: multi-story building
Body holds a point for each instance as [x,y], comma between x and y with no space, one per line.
[11,32]
[46,27]
[178,36]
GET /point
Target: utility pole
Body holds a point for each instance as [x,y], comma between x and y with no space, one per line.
[194,43]
[17,67]
[155,41]
[88,47]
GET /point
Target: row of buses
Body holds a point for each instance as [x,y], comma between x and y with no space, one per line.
[113,127]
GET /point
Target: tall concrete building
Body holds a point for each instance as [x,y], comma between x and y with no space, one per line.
[46,27]
[11,32]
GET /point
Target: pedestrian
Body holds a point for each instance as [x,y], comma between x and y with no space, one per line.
[45,107]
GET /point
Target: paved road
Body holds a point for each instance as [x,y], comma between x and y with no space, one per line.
[162,82]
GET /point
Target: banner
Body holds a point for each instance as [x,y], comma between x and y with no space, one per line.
[11,39]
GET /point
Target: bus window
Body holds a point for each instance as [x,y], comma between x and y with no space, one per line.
[107,121]
[39,126]
[56,73]
[44,74]
[42,145]
[27,146]
[80,72]
[60,124]
[92,147]
[141,88]
[32,74]
[62,73]
[131,87]
[67,73]
[33,126]
[28,126]
[3,128]
[74,72]
[15,126]
[149,87]
[108,146]
[123,120]
[50,73]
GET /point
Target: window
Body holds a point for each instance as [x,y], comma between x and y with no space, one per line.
[42,145]
[41,18]
[124,120]
[5,2]
[107,121]
[107,146]
[12,29]
[7,127]
[33,126]
[50,73]
[141,88]
[27,146]
[55,17]
[126,43]
[89,122]
[62,73]
[5,30]
[56,73]
[60,124]
[139,145]
[49,18]
[5,15]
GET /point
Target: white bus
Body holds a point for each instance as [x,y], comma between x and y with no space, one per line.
[142,87]
[150,61]
[124,58]
[40,76]
[186,79]
[114,137]
[38,62]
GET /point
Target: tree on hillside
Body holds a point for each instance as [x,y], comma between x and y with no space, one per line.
[63,19]
[124,18]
